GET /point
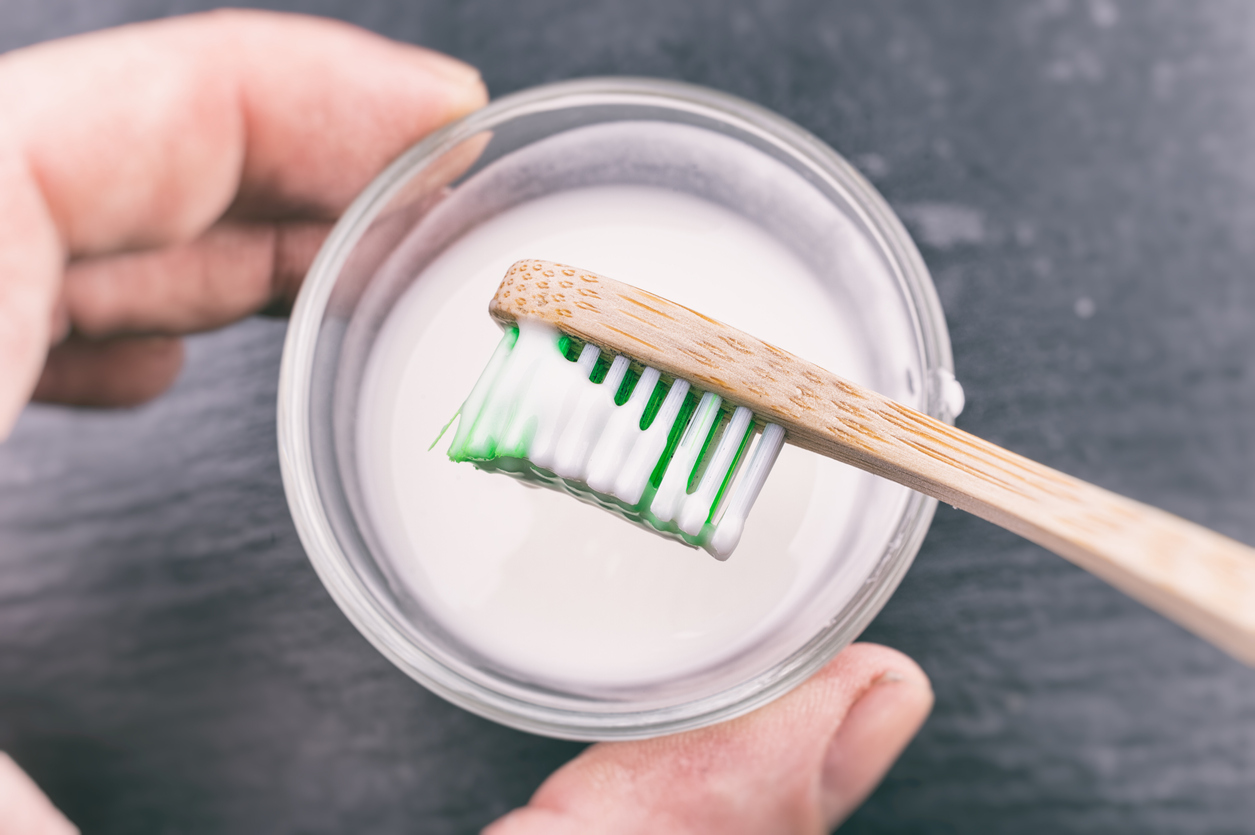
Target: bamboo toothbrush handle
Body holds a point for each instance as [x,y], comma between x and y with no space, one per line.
[1198,578]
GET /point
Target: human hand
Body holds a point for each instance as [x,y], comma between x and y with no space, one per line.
[24,810]
[171,177]
[798,766]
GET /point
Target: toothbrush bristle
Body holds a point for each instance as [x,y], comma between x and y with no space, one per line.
[613,433]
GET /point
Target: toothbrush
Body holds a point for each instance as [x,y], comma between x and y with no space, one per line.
[673,420]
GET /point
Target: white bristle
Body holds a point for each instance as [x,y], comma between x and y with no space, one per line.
[473,408]
[592,410]
[621,431]
[588,359]
[732,522]
[614,377]
[534,386]
[640,463]
[554,389]
[697,506]
[513,383]
[675,481]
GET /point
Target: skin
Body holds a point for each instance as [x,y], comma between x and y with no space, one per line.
[167,178]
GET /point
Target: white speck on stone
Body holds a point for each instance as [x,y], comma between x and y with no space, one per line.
[1025,233]
[1104,13]
[1163,79]
[1084,307]
[1076,64]
[873,165]
[944,225]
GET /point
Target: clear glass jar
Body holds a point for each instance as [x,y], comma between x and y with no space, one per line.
[540,142]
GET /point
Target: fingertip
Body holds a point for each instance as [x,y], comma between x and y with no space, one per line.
[877,728]
[792,766]
[24,807]
[464,81]
[534,821]
[20,353]
[11,403]
[31,258]
[861,664]
[441,90]
[465,99]
[366,98]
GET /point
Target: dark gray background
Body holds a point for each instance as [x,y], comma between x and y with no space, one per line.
[1079,177]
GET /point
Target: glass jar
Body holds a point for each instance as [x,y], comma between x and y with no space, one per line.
[547,141]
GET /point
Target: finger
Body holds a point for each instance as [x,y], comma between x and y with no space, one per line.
[871,738]
[143,136]
[24,809]
[770,771]
[30,260]
[116,372]
[231,271]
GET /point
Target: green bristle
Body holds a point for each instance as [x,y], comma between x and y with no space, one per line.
[600,368]
[708,447]
[654,404]
[727,477]
[627,386]
[673,440]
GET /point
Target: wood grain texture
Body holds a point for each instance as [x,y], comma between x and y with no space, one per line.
[1196,577]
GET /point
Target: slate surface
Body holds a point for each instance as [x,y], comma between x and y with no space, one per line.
[1079,177]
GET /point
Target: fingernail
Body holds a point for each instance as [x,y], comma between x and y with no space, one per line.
[450,68]
[465,91]
[876,729]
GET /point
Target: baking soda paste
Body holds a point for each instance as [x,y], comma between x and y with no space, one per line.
[556,591]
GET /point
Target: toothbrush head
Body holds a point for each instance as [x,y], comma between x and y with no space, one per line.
[554,408]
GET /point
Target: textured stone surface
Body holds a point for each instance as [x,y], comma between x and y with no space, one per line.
[1077,176]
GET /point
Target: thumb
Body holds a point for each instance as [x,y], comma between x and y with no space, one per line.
[24,810]
[799,765]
